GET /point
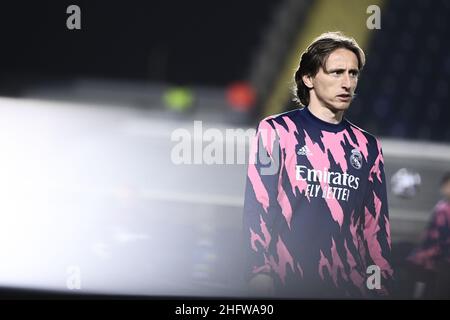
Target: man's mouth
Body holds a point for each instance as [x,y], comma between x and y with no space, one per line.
[344,96]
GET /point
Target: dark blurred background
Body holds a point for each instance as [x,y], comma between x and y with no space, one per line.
[199,42]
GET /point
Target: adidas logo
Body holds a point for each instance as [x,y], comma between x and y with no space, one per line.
[304,151]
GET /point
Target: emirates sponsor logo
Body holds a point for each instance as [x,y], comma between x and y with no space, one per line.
[327,184]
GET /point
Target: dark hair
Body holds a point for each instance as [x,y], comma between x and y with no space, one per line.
[445,178]
[316,55]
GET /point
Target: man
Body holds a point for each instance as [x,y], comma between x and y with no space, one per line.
[316,220]
[432,257]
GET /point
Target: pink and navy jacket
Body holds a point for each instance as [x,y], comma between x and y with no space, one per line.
[316,212]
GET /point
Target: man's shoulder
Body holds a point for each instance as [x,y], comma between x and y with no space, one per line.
[443,207]
[371,138]
[374,148]
[280,117]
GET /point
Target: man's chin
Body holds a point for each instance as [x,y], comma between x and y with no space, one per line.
[337,107]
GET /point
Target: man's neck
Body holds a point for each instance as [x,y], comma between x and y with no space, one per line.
[325,114]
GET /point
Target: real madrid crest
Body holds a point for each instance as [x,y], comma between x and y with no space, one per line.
[356,159]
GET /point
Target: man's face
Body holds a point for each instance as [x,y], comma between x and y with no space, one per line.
[335,86]
[445,190]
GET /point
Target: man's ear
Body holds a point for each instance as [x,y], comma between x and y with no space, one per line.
[307,80]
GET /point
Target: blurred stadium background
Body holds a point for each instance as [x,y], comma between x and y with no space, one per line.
[86,118]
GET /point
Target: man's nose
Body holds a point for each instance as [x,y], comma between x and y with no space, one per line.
[346,82]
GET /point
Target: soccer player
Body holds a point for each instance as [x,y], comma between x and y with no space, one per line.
[315,220]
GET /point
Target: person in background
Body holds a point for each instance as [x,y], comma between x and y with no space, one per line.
[431,258]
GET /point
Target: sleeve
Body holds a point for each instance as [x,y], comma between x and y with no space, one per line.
[260,204]
[433,240]
[377,239]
